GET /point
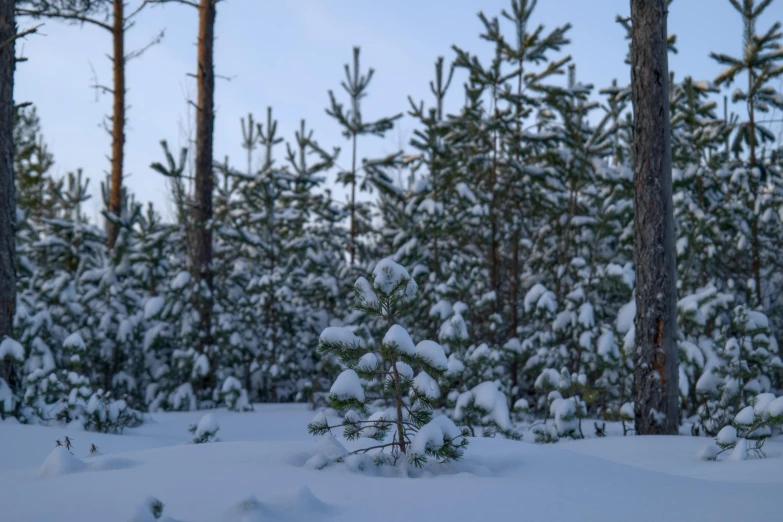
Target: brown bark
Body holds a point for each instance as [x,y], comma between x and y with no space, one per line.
[655,359]
[205,118]
[118,119]
[7,187]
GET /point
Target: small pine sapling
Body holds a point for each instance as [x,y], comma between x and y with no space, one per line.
[415,433]
[749,430]
[206,429]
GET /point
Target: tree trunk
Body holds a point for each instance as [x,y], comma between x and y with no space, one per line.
[7,187]
[205,116]
[655,359]
[118,119]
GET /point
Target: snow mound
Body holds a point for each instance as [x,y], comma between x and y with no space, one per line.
[11,348]
[397,338]
[298,507]
[325,452]
[347,386]
[388,275]
[153,306]
[60,462]
[433,353]
[433,435]
[339,334]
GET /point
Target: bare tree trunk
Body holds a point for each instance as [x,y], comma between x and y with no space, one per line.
[118,119]
[205,118]
[7,187]
[656,359]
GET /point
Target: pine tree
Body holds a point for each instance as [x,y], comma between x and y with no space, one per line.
[370,175]
[761,64]
[656,366]
[416,434]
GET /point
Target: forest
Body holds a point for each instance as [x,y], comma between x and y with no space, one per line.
[508,221]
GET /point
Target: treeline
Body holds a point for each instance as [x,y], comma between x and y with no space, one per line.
[516,223]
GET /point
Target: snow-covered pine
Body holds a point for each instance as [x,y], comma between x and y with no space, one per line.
[407,428]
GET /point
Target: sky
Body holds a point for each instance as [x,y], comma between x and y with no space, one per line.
[287,54]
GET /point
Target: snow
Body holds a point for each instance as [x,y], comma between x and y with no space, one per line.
[180,281]
[74,341]
[368,362]
[339,334]
[60,462]
[426,386]
[348,386]
[744,417]
[433,353]
[397,338]
[388,275]
[11,348]
[431,436]
[488,397]
[625,317]
[207,425]
[264,454]
[727,435]
[153,306]
[366,293]
[626,411]
[775,408]
[740,451]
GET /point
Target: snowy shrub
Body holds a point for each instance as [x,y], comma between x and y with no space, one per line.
[745,358]
[745,436]
[407,374]
[234,396]
[105,415]
[567,413]
[206,429]
[484,411]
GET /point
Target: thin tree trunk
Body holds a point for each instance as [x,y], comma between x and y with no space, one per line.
[118,119]
[7,188]
[754,225]
[205,116]
[656,359]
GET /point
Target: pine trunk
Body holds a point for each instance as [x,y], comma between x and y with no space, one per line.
[118,119]
[7,188]
[656,359]
[205,116]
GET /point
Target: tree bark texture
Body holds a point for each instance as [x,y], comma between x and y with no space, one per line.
[205,118]
[656,373]
[7,187]
[118,118]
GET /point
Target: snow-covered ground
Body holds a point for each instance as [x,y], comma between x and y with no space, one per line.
[257,472]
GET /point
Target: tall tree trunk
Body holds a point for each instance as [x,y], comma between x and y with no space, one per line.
[205,118]
[117,119]
[7,187]
[754,225]
[655,360]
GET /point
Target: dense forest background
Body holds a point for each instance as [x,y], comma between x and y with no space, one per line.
[512,209]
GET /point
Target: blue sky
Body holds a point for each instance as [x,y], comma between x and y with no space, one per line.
[288,53]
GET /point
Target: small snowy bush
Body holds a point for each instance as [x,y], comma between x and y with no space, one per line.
[105,415]
[234,396]
[206,429]
[407,374]
[484,409]
[749,430]
[567,413]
